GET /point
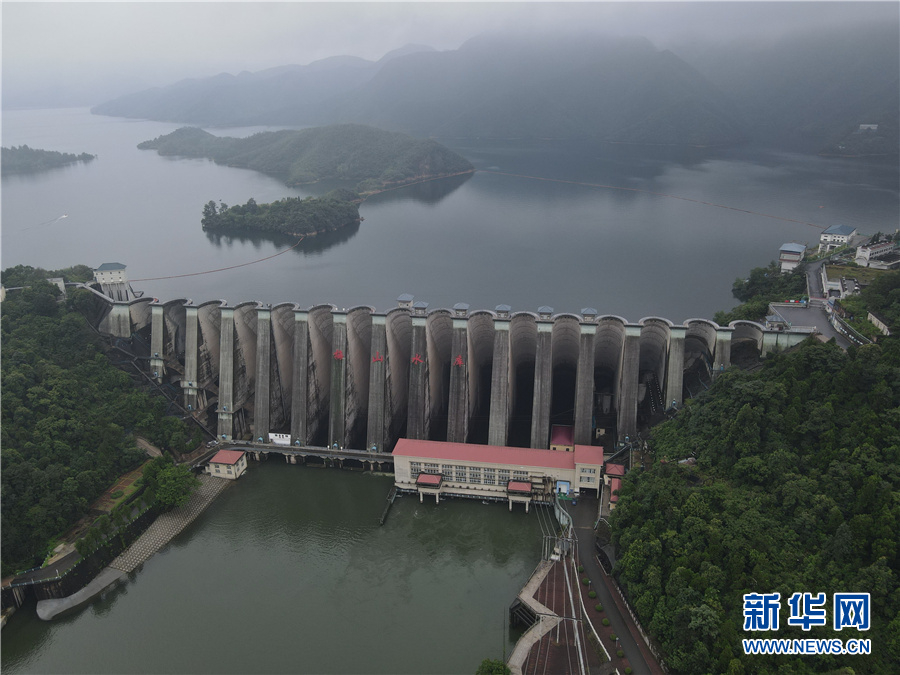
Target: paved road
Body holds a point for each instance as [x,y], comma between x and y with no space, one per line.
[630,641]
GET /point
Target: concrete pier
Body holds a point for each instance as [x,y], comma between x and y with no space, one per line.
[336,420]
[498,426]
[543,387]
[723,348]
[415,425]
[458,411]
[226,375]
[300,368]
[190,382]
[263,367]
[377,422]
[157,352]
[584,387]
[628,387]
[675,370]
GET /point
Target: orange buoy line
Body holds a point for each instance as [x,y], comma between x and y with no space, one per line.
[657,194]
[222,269]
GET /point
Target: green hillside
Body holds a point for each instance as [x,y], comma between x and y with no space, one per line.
[372,158]
[22,159]
[791,485]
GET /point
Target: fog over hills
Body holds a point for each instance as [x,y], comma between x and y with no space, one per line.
[802,93]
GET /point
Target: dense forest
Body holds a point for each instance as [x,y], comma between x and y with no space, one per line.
[372,158]
[293,216]
[67,415]
[792,484]
[22,159]
[764,285]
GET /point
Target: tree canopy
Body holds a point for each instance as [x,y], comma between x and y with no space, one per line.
[22,159]
[796,488]
[294,216]
[67,418]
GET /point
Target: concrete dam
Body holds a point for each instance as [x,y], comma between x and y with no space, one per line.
[359,378]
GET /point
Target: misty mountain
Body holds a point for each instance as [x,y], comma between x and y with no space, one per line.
[801,93]
[251,98]
[810,91]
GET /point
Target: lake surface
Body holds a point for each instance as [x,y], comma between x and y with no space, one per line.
[288,571]
[487,239]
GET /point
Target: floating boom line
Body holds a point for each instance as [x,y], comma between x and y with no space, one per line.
[222,269]
[657,194]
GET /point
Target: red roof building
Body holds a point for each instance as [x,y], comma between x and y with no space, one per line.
[230,464]
[499,472]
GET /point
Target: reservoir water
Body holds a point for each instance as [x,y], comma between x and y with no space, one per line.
[288,570]
[487,239]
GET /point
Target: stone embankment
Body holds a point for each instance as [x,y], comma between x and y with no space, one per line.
[160,533]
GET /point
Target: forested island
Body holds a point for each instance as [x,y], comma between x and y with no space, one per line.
[782,479]
[68,415]
[22,159]
[294,216]
[371,158]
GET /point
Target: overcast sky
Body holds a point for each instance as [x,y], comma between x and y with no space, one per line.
[75,50]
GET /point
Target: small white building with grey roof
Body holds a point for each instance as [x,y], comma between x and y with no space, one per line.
[790,255]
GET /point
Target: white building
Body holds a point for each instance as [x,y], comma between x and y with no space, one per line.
[790,255]
[111,273]
[518,475]
[835,237]
[230,464]
[864,254]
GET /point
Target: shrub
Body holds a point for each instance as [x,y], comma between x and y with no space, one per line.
[581,568]
[599,608]
[628,670]
[613,637]
[605,622]
[592,594]
[116,494]
[586,581]
[620,654]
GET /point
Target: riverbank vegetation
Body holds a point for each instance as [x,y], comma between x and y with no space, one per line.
[792,485]
[882,298]
[67,417]
[295,216]
[371,158]
[22,159]
[763,286]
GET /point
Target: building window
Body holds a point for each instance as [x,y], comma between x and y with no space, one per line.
[502,476]
[461,474]
[587,479]
[520,475]
[490,477]
[431,468]
[415,467]
[474,474]
[586,470]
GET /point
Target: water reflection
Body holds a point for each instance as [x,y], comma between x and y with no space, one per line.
[311,245]
[429,192]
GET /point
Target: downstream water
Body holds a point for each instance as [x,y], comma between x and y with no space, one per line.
[486,239]
[289,572]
